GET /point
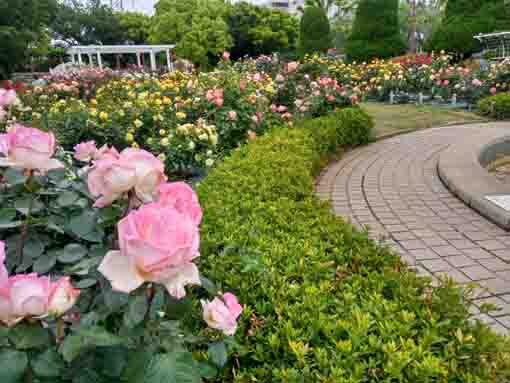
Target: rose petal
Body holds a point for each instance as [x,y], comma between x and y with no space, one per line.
[120,272]
[185,275]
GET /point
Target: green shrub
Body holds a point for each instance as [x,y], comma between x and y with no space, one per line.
[315,34]
[376,31]
[323,303]
[497,107]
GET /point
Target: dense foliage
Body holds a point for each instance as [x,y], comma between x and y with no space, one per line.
[22,24]
[323,302]
[497,107]
[464,19]
[261,31]
[315,34]
[376,31]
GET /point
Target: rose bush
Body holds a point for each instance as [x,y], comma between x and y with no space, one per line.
[96,256]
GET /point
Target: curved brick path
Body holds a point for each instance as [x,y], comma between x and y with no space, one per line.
[393,188]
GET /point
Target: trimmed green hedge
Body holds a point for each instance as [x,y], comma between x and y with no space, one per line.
[323,302]
[497,107]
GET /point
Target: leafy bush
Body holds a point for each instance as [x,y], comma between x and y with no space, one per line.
[315,31]
[376,31]
[497,106]
[323,302]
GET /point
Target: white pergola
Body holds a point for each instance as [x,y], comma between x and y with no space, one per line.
[97,50]
[498,43]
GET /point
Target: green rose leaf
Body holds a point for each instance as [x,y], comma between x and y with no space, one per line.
[13,364]
[85,339]
[136,310]
[85,227]
[49,364]
[33,247]
[45,263]
[29,336]
[7,215]
[15,177]
[72,253]
[218,354]
[23,204]
[173,367]
[67,198]
[85,283]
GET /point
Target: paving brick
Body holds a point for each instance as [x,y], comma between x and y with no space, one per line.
[421,254]
[492,244]
[477,253]
[434,241]
[460,261]
[446,251]
[477,273]
[462,244]
[494,264]
[435,265]
[412,244]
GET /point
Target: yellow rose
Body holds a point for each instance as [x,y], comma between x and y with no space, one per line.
[162,156]
[93,112]
[180,115]
[103,116]
[129,137]
[167,100]
[138,123]
[164,142]
[162,132]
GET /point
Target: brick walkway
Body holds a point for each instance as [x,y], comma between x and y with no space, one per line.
[393,188]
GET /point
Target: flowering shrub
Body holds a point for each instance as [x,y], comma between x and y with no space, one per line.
[96,256]
[188,121]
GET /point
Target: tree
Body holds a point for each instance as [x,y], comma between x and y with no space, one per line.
[198,28]
[376,31]
[315,31]
[260,30]
[135,26]
[77,22]
[464,19]
[21,23]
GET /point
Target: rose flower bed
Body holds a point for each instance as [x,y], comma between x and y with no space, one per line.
[323,303]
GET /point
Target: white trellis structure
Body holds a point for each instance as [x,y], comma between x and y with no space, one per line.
[95,52]
[498,44]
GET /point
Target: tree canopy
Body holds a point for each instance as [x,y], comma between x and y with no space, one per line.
[376,31]
[197,27]
[315,31]
[257,30]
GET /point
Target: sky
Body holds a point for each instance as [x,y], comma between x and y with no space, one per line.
[147,6]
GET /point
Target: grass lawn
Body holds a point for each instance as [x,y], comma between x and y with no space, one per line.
[400,118]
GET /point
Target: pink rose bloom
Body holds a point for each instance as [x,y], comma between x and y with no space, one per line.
[438,82]
[493,90]
[157,244]
[477,82]
[446,82]
[107,153]
[282,108]
[28,148]
[218,102]
[257,77]
[134,169]
[287,116]
[218,93]
[354,99]
[85,151]
[181,197]
[226,56]
[274,108]
[232,115]
[242,85]
[7,97]
[316,93]
[255,119]
[331,98]
[280,78]
[62,297]
[210,95]
[292,66]
[25,295]
[222,313]
[251,135]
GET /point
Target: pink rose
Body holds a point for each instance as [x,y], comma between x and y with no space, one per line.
[221,314]
[292,66]
[62,297]
[331,98]
[242,85]
[85,151]
[282,108]
[157,244]
[232,115]
[477,82]
[182,198]
[134,169]
[226,56]
[257,77]
[28,148]
[107,153]
[280,78]
[493,90]
[7,97]
[210,95]
[446,82]
[354,99]
[274,108]
[251,135]
[218,102]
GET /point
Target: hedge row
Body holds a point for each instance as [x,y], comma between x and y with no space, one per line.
[497,106]
[323,302]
